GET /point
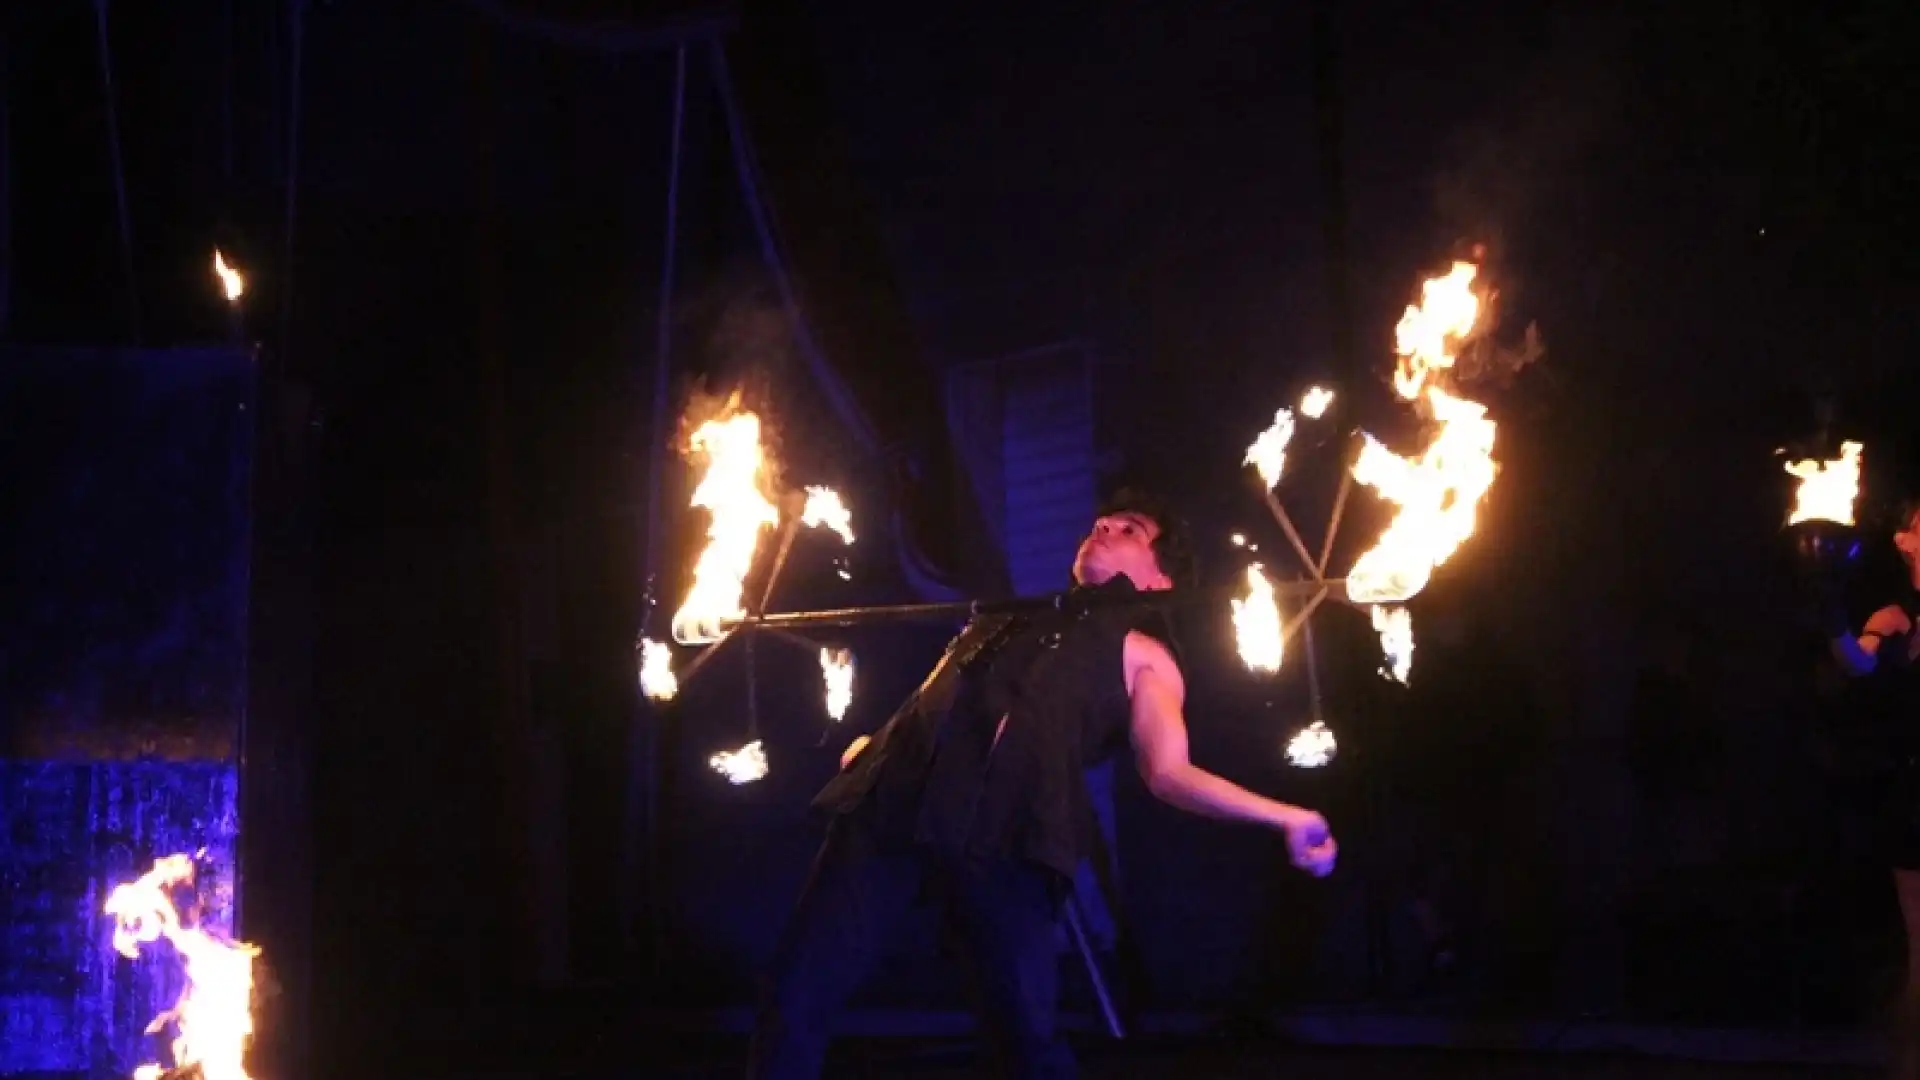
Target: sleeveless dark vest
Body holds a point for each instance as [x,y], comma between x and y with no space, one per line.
[934,774]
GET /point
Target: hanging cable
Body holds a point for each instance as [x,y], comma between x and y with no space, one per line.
[297,19]
[6,186]
[643,796]
[119,171]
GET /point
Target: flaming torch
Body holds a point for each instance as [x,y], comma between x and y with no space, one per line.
[1821,523]
[213,1019]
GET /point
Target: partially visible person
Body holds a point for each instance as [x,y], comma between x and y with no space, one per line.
[1886,650]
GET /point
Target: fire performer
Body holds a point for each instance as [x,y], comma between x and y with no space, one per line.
[1887,649]
[975,787]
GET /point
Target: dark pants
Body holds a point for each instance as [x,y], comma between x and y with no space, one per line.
[1008,914]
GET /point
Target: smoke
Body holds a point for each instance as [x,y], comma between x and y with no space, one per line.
[1516,177]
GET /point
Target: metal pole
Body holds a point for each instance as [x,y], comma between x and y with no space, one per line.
[1334,589]
[119,170]
[1293,535]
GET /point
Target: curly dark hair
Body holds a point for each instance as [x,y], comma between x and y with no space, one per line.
[1173,545]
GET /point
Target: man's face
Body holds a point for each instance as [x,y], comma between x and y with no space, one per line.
[1121,544]
[1908,538]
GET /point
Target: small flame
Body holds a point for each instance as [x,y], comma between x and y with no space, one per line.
[1239,539]
[730,490]
[825,508]
[1395,626]
[231,280]
[1827,489]
[1269,452]
[1312,746]
[836,666]
[1438,492]
[1314,404]
[656,671]
[213,1018]
[742,766]
[1256,624]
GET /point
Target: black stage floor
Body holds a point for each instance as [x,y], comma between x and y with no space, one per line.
[1206,1061]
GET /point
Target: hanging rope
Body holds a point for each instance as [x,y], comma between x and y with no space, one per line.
[297,19]
[6,188]
[663,329]
[608,36]
[643,793]
[119,171]
[838,396]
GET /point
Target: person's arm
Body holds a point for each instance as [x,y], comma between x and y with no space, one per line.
[1859,654]
[1158,693]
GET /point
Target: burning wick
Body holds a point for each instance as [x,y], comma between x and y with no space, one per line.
[1256,624]
[836,666]
[213,1018]
[824,508]
[1268,453]
[742,766]
[656,671]
[1312,746]
[730,491]
[1827,489]
[1314,404]
[1395,626]
[231,280]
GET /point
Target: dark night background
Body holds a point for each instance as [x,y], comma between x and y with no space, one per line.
[453,217]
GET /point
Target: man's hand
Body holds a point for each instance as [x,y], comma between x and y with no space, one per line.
[1310,842]
[853,749]
[1890,621]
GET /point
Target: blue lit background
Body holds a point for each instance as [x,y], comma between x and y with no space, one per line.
[122,677]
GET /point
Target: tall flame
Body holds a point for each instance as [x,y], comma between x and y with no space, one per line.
[1268,453]
[231,280]
[1395,626]
[836,668]
[730,490]
[657,680]
[213,1020]
[824,508]
[1827,489]
[1431,332]
[1256,624]
[1439,491]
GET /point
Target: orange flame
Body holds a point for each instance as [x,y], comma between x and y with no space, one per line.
[1256,624]
[232,282]
[213,1018]
[1828,489]
[1439,491]
[730,491]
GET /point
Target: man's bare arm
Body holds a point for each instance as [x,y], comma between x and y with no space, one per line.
[1160,746]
